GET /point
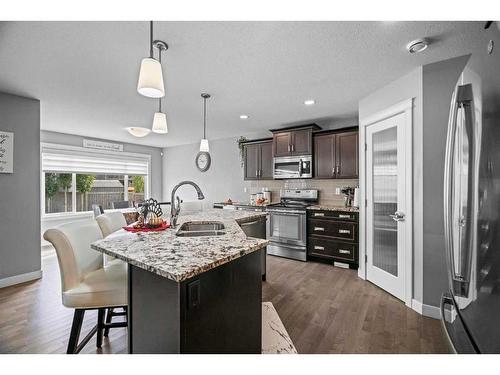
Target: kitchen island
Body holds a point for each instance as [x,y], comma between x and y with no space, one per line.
[198,294]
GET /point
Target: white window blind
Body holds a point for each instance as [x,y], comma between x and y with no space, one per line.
[82,161]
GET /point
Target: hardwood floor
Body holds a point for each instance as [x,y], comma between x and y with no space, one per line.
[324,309]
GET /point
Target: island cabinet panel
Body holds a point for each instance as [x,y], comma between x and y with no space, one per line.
[336,155]
[258,160]
[333,236]
[216,312]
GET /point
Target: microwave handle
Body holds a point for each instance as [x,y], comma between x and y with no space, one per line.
[300,167]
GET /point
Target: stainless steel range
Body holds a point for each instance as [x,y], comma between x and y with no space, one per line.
[288,223]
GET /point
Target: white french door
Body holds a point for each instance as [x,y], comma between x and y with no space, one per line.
[388,206]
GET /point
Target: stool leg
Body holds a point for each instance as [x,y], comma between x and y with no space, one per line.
[109,316]
[100,326]
[76,327]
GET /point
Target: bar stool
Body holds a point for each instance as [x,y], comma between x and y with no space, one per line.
[86,283]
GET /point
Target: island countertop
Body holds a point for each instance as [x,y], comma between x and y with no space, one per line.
[180,258]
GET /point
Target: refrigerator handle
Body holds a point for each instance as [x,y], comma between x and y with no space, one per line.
[459,278]
[448,168]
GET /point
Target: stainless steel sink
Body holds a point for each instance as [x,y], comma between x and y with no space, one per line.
[199,229]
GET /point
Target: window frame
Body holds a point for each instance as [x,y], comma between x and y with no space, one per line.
[74,213]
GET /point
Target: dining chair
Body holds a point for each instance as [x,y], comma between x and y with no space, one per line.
[86,283]
[109,223]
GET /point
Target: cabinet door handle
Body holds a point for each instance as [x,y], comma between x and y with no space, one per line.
[256,173]
[319,214]
[344,231]
[319,229]
[338,169]
[344,216]
[319,248]
[289,148]
[342,251]
[293,147]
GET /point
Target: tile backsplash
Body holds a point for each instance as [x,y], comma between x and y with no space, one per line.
[326,188]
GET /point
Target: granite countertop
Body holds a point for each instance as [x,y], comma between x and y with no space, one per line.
[333,208]
[180,258]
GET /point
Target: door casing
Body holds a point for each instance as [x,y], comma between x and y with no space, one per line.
[404,107]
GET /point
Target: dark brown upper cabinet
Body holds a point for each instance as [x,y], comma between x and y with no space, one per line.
[336,154]
[293,141]
[258,160]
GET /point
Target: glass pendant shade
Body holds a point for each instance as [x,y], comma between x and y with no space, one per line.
[204,145]
[150,82]
[160,123]
[138,131]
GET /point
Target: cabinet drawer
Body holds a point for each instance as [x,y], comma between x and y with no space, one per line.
[333,228]
[351,216]
[331,249]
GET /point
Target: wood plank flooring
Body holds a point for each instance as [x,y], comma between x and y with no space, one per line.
[324,309]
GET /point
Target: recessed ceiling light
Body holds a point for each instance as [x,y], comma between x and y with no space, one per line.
[243,117]
[309,102]
[138,131]
[417,45]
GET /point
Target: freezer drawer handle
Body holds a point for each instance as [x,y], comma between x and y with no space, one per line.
[319,248]
[319,229]
[344,231]
[342,251]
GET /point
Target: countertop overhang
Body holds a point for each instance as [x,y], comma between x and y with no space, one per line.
[181,258]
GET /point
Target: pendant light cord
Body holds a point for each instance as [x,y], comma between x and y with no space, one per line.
[159,60]
[151,39]
[204,117]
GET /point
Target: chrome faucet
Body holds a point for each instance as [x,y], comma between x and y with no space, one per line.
[175,202]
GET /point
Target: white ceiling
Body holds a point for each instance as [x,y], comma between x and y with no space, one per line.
[85,73]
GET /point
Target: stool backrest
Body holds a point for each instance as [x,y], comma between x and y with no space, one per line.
[75,256]
[110,222]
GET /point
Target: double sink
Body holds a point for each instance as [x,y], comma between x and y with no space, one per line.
[201,229]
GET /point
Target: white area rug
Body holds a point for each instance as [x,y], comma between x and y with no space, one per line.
[275,338]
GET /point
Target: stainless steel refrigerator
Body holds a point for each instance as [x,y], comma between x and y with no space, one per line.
[471,309]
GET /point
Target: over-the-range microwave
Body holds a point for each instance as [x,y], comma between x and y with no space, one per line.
[288,167]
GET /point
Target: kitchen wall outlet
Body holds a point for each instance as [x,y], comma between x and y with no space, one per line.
[337,191]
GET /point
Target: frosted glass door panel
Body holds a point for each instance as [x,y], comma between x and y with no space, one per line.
[385,199]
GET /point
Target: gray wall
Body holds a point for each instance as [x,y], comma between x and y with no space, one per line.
[156,160]
[20,191]
[439,80]
[223,180]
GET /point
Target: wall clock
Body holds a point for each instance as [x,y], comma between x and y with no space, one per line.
[203,161]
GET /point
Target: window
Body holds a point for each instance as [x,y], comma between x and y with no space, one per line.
[74,179]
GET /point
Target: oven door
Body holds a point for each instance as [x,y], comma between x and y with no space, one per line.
[287,226]
[293,167]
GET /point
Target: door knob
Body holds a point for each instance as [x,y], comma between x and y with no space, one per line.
[398,216]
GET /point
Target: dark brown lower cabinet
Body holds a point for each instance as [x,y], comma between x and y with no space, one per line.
[333,235]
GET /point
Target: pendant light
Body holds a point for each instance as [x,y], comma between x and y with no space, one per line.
[150,81]
[204,142]
[160,119]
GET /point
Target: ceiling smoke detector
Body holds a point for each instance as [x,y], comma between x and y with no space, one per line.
[417,45]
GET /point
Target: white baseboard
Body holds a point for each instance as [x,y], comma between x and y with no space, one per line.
[417,306]
[431,311]
[426,310]
[18,279]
